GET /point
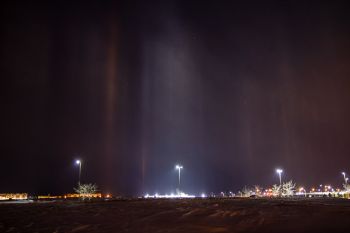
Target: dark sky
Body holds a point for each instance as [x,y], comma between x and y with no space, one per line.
[229,90]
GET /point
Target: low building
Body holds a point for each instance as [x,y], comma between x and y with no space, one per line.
[49,197]
[76,195]
[13,196]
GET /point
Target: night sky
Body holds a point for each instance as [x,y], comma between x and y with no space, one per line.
[229,90]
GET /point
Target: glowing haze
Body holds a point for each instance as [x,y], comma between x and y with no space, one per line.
[230,91]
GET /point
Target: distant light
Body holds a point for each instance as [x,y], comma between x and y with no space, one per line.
[203,195]
[279,171]
[180,195]
[343,173]
[77,161]
[178,167]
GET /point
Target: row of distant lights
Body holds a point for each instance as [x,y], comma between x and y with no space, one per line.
[327,188]
[181,195]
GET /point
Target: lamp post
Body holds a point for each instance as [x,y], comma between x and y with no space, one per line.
[78,162]
[279,171]
[345,179]
[179,167]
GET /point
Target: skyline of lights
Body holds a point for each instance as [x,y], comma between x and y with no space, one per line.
[323,189]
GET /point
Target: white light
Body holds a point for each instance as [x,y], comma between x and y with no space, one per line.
[180,195]
[279,171]
[203,195]
[178,167]
[77,162]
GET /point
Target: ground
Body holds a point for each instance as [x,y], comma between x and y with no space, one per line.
[178,215]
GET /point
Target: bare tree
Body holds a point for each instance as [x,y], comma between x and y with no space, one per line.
[86,190]
[276,190]
[288,188]
[258,190]
[245,192]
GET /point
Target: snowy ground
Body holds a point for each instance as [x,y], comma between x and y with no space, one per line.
[190,215]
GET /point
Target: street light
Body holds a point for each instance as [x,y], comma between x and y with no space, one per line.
[179,167]
[279,171]
[78,162]
[343,173]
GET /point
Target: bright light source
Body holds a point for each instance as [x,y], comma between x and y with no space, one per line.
[279,171]
[179,167]
[77,161]
[180,195]
[203,195]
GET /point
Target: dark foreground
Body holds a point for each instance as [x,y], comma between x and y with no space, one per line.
[200,215]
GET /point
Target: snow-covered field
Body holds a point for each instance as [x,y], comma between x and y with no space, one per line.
[176,215]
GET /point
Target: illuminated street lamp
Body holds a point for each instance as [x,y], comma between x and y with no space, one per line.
[345,179]
[279,171]
[78,162]
[179,167]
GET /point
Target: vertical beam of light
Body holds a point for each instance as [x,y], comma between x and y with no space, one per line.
[110,104]
[171,101]
[146,114]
